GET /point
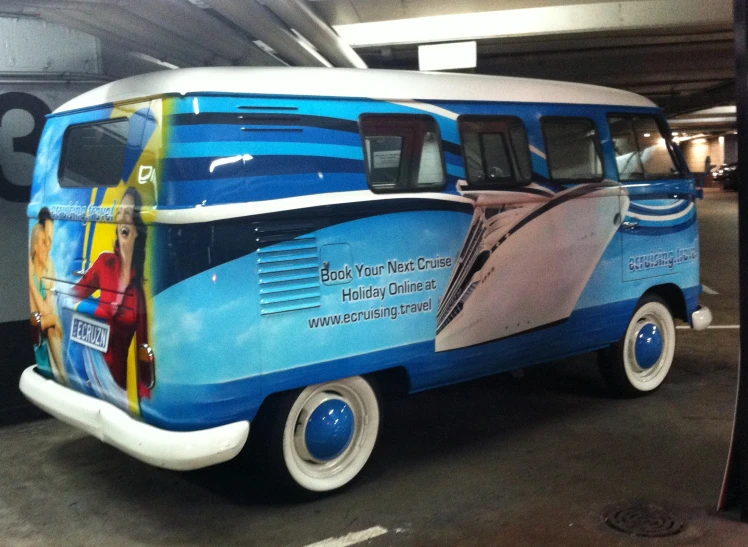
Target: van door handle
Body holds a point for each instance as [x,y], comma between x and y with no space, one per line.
[630,225]
[79,273]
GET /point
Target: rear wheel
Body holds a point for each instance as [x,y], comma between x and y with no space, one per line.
[318,439]
[639,362]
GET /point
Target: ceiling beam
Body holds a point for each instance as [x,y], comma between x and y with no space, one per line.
[189,28]
[117,37]
[558,44]
[712,129]
[652,15]
[111,18]
[609,40]
[195,25]
[35,5]
[660,78]
[529,50]
[670,89]
[258,21]
[717,96]
[299,16]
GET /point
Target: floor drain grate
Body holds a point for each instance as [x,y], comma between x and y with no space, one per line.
[642,520]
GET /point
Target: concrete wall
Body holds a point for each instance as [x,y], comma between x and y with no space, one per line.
[695,152]
[720,149]
[33,81]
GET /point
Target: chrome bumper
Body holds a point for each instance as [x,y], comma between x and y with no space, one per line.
[178,450]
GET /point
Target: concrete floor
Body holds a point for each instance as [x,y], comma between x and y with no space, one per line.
[499,461]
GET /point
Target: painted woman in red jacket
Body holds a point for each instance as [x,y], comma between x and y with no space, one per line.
[119,277]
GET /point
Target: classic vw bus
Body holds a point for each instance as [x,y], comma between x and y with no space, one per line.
[231,256]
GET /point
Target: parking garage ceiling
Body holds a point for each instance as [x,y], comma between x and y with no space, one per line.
[677,52]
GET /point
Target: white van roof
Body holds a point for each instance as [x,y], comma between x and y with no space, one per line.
[388,85]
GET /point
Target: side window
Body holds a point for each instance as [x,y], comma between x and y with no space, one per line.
[641,150]
[573,149]
[403,153]
[496,151]
[94,154]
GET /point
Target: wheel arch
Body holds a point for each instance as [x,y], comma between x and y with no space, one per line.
[673,296]
[391,383]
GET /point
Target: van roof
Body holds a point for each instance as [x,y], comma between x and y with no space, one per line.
[391,85]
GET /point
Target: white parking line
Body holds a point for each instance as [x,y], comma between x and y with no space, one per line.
[711,327]
[351,539]
[708,290]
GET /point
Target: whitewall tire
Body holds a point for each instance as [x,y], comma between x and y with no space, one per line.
[319,438]
[639,362]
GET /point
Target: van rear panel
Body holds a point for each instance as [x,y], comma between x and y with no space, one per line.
[93,193]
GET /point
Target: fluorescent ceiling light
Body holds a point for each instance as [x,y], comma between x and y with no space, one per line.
[264,47]
[575,18]
[307,44]
[448,56]
[153,60]
[686,138]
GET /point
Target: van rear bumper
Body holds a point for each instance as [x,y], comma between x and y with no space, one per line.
[177,450]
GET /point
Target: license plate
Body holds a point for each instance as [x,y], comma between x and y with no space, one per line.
[90,333]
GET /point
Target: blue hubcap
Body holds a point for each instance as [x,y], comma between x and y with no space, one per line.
[649,345]
[329,429]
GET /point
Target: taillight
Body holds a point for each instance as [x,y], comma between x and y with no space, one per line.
[36,328]
[146,366]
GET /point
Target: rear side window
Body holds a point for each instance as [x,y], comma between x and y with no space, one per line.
[573,148]
[496,151]
[641,150]
[94,154]
[403,153]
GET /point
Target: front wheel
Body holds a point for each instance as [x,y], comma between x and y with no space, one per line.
[321,437]
[639,362]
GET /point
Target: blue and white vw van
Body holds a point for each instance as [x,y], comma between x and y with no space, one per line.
[221,257]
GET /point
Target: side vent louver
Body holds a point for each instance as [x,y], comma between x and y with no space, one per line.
[270,119]
[288,271]
[268,108]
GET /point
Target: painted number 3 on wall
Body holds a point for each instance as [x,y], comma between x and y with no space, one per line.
[24,144]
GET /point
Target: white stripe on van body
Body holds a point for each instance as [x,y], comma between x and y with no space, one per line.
[660,207]
[663,218]
[210,213]
[426,107]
